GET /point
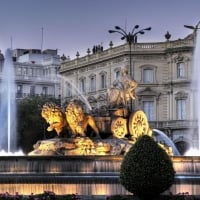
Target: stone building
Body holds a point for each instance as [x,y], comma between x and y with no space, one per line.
[36,72]
[163,72]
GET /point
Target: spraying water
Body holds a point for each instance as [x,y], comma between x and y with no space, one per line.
[161,136]
[196,82]
[80,95]
[8,106]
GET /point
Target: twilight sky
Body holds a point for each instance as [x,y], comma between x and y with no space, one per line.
[75,25]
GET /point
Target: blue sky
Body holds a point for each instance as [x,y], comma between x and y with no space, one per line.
[75,25]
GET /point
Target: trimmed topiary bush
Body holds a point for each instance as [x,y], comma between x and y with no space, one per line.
[146,169]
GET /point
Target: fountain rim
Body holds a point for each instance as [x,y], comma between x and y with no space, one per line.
[87,157]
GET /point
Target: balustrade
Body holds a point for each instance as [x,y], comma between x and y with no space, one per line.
[159,46]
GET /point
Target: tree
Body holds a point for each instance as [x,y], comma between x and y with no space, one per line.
[146,169]
[31,127]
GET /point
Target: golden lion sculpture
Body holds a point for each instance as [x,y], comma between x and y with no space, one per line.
[78,120]
[54,117]
[74,117]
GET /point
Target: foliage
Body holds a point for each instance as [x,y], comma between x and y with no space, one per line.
[146,170]
[47,195]
[119,197]
[31,127]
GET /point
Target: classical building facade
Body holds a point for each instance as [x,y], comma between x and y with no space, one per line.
[163,73]
[36,72]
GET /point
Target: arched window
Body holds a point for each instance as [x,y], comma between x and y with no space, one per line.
[45,90]
[92,83]
[82,85]
[68,89]
[117,74]
[103,80]
[148,101]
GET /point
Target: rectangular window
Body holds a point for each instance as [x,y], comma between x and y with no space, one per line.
[117,74]
[92,84]
[38,72]
[103,81]
[148,107]
[19,91]
[19,71]
[68,90]
[181,109]
[45,91]
[82,86]
[148,76]
[30,71]
[25,71]
[180,70]
[32,91]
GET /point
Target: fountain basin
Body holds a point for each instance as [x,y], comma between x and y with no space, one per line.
[85,175]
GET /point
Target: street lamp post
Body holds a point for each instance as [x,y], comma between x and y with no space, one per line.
[193,27]
[131,37]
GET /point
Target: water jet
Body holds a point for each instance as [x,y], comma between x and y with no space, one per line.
[8,106]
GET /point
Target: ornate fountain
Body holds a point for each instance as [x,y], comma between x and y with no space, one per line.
[124,127]
[88,163]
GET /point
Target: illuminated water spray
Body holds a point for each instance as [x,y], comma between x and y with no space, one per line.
[196,81]
[8,106]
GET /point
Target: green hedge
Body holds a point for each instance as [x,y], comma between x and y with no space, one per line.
[47,195]
[146,169]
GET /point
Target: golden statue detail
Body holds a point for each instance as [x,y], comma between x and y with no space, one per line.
[54,117]
[122,123]
[123,90]
[74,118]
[78,120]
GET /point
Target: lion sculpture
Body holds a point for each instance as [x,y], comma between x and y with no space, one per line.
[54,117]
[74,117]
[78,120]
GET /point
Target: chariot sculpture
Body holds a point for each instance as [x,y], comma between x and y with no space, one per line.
[122,123]
[125,127]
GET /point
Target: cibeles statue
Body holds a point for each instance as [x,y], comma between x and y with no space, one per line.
[114,135]
[123,89]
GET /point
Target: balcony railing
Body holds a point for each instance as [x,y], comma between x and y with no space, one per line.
[138,47]
[48,78]
[20,95]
